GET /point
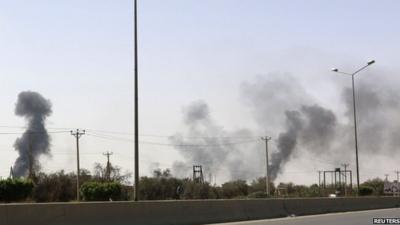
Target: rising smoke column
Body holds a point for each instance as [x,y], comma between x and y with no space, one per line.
[320,128]
[284,110]
[312,127]
[286,142]
[305,127]
[35,141]
[206,143]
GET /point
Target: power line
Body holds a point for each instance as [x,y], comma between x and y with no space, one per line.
[100,132]
[33,132]
[199,145]
[25,127]
[324,161]
[108,137]
[111,132]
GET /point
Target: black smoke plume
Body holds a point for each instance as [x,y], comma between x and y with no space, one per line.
[299,123]
[35,141]
[312,126]
[280,103]
[286,142]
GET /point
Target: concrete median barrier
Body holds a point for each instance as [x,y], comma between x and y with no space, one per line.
[2,214]
[180,212]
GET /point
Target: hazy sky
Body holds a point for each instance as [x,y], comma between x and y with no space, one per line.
[79,55]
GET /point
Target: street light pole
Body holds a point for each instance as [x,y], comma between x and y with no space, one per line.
[355,115]
[355,133]
[136,198]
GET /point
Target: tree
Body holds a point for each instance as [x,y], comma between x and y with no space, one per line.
[258,185]
[161,186]
[55,187]
[100,174]
[366,190]
[194,190]
[235,188]
[376,185]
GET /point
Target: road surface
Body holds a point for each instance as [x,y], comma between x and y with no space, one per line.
[351,218]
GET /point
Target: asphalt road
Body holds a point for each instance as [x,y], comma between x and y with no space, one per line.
[347,218]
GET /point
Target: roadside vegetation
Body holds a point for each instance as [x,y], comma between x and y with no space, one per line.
[102,185]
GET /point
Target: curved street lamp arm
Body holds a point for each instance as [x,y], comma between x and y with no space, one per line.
[361,69]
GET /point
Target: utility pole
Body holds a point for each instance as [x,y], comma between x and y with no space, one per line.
[319,182]
[345,165]
[319,178]
[397,173]
[136,187]
[77,135]
[266,139]
[108,168]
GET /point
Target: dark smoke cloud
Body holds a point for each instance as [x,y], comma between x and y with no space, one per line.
[286,142]
[285,111]
[299,123]
[321,131]
[35,140]
[320,128]
[268,97]
[205,143]
[280,109]
[378,106]
[197,112]
[312,127]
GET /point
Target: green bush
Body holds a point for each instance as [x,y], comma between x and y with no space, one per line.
[96,191]
[258,194]
[192,190]
[12,190]
[233,189]
[159,188]
[366,190]
[376,184]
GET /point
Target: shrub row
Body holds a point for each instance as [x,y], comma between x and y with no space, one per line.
[15,190]
[96,191]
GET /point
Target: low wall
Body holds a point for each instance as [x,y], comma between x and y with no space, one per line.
[180,212]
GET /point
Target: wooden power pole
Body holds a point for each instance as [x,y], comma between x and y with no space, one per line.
[266,139]
[78,134]
[108,167]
